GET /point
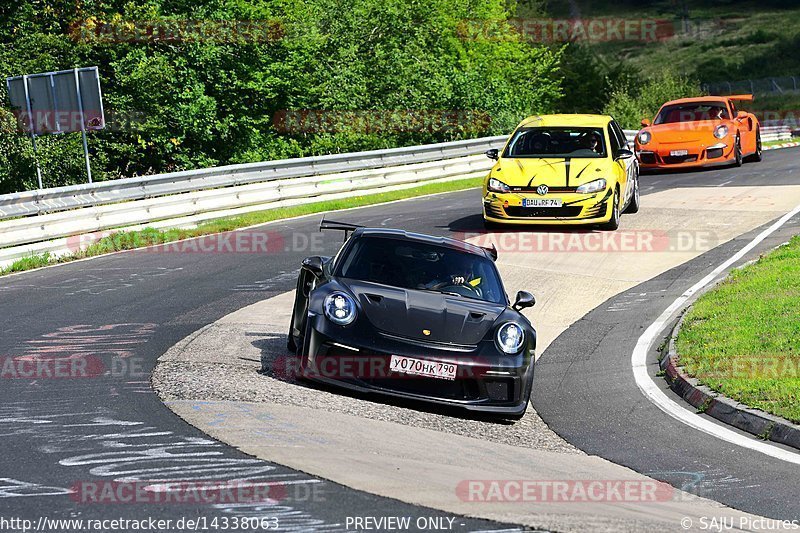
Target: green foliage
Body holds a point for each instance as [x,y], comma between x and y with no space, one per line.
[742,338]
[177,104]
[589,81]
[630,103]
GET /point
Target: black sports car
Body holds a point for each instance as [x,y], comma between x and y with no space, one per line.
[414,316]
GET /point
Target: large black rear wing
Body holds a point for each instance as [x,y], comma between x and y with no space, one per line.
[346,227]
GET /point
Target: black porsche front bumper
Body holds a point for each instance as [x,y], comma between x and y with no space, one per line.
[358,358]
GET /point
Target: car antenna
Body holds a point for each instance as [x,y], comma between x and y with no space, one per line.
[346,227]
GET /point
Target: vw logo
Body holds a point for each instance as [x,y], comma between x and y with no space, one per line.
[542,190]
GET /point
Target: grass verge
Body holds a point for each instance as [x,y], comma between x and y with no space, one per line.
[128,240]
[742,339]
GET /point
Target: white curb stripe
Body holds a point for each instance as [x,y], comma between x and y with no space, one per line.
[672,408]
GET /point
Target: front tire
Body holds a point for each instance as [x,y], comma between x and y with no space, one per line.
[737,152]
[633,207]
[291,342]
[491,226]
[613,222]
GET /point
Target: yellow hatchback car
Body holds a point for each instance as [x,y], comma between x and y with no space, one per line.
[562,169]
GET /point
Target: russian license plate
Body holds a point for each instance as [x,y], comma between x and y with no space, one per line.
[419,367]
[679,153]
[541,202]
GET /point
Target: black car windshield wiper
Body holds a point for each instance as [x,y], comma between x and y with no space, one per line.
[442,292]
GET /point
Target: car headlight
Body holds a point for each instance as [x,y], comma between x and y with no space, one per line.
[340,308]
[721,131]
[510,337]
[644,137]
[496,185]
[592,186]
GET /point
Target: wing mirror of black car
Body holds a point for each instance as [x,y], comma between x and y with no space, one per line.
[314,265]
[623,153]
[524,299]
[494,153]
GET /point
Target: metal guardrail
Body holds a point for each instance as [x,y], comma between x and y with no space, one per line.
[185,198]
[68,218]
[85,195]
[127,189]
[776,133]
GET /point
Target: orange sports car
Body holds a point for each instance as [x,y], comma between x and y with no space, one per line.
[697,132]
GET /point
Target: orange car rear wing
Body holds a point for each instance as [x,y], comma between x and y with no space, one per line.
[741,97]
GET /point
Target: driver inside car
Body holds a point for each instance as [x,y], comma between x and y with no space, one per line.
[462,275]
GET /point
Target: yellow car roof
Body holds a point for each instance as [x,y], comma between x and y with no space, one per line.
[586,121]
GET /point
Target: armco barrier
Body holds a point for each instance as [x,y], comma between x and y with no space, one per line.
[42,221]
[76,196]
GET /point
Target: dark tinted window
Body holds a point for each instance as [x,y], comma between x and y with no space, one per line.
[620,134]
[422,266]
[615,143]
[556,142]
[693,112]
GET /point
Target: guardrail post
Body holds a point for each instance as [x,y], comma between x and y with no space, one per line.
[33,130]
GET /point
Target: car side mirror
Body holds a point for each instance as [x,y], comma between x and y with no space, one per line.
[524,299]
[314,265]
[494,153]
[741,115]
[645,122]
[622,153]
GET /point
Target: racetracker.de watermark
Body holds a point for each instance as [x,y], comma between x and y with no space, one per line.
[70,366]
[380,121]
[564,491]
[380,366]
[107,492]
[233,242]
[91,30]
[48,121]
[552,30]
[776,366]
[620,241]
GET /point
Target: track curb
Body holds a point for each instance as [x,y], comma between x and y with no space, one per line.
[787,144]
[756,422]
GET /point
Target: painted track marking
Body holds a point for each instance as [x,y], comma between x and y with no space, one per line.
[672,408]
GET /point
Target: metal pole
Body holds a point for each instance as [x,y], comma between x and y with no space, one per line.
[33,131]
[83,125]
[55,103]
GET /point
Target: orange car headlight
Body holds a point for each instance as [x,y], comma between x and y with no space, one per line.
[644,137]
[721,131]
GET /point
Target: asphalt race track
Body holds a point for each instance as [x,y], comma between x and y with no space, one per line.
[125,310]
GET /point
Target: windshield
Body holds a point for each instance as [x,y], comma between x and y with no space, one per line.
[693,112]
[557,142]
[421,266]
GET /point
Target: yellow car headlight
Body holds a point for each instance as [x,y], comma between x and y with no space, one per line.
[496,185]
[592,186]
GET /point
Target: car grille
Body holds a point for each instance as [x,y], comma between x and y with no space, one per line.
[549,212]
[562,190]
[648,158]
[676,160]
[459,389]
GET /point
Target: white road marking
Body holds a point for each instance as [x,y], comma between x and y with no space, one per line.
[672,408]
